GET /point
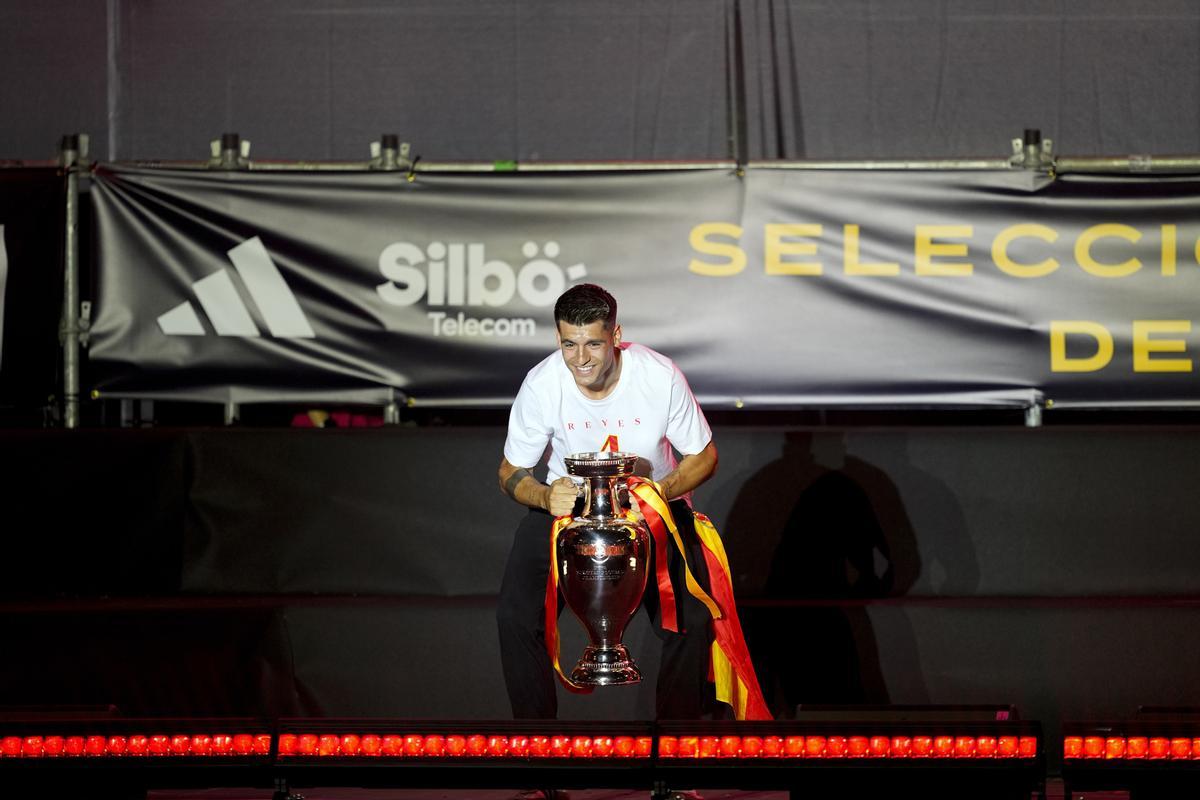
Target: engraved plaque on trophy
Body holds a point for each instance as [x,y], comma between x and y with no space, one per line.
[602,564]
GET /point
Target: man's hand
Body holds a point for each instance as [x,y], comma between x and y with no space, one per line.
[518,483]
[563,494]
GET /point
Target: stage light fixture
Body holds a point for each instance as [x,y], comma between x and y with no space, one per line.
[1142,748]
[854,746]
[133,739]
[853,756]
[571,754]
[468,741]
[1154,753]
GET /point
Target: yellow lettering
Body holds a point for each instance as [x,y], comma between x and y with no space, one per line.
[735,256]
[1143,345]
[855,267]
[778,245]
[1060,362]
[925,249]
[1083,250]
[1170,238]
[1016,269]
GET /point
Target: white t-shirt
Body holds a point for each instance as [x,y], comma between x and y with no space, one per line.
[650,410]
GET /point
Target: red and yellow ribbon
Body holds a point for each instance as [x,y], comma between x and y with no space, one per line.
[551,608]
[732,671]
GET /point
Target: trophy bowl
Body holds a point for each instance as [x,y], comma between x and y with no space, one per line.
[602,564]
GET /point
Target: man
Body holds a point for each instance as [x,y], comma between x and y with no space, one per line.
[600,393]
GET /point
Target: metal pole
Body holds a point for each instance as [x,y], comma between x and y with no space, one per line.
[1127,164]
[909,164]
[1130,164]
[69,329]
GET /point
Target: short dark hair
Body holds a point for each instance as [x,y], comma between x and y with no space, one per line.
[585,304]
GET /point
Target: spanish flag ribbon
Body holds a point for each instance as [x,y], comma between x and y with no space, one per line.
[668,611]
[732,670]
[551,609]
[658,517]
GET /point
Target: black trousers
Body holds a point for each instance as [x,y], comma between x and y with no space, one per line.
[682,690]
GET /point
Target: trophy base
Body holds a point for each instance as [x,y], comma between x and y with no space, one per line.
[606,666]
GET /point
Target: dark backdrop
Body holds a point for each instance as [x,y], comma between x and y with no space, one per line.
[353,573]
[538,79]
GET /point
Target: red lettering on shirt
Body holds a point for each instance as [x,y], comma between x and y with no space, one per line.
[570,426]
[637,420]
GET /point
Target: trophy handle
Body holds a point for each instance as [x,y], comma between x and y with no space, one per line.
[624,502]
[584,489]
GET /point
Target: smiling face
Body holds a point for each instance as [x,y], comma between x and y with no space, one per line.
[592,354]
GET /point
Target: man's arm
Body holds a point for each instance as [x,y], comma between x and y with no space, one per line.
[692,471]
[518,483]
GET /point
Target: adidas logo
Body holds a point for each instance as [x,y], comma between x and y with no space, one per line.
[224,307]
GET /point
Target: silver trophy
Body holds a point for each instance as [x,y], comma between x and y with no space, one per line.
[603,563]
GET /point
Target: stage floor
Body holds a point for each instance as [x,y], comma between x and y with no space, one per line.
[1054,790]
[442,794]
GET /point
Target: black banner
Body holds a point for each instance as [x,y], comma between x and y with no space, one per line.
[778,288]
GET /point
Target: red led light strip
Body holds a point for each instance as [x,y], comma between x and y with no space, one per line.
[436,746]
[1154,748]
[413,745]
[157,745]
[890,747]
[669,747]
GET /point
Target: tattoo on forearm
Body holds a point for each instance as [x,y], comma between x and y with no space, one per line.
[510,485]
